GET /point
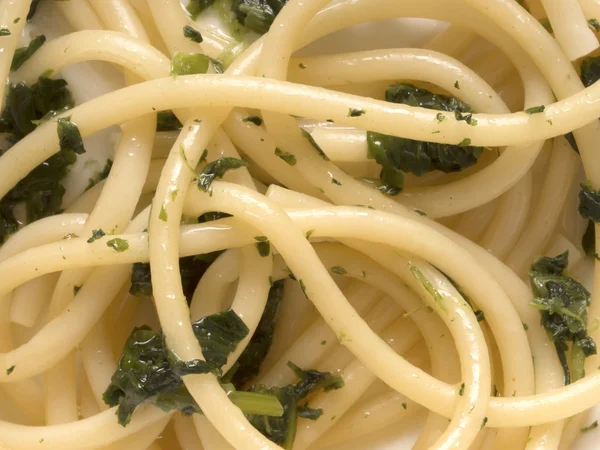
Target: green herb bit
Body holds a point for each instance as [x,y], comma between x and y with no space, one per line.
[289,158]
[192,34]
[309,233]
[440,117]
[217,169]
[334,181]
[163,214]
[589,202]
[353,112]
[257,15]
[69,136]
[535,109]
[189,63]
[404,405]
[100,176]
[428,287]
[76,289]
[312,141]
[303,287]
[167,121]
[254,119]
[563,304]
[594,24]
[302,65]
[461,392]
[4,32]
[339,270]
[24,53]
[590,427]
[456,85]
[257,349]
[485,421]
[10,370]
[118,245]
[264,248]
[96,234]
[465,142]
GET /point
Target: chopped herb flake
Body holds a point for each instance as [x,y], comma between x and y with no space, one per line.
[24,53]
[10,370]
[353,112]
[192,34]
[339,270]
[217,169]
[287,157]
[69,136]
[163,214]
[254,119]
[189,63]
[117,244]
[535,109]
[96,234]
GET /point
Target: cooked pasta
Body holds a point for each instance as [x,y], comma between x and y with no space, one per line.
[261,224]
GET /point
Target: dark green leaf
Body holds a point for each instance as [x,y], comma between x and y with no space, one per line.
[217,169]
[24,53]
[192,34]
[590,70]
[191,269]
[589,202]
[195,7]
[287,157]
[96,234]
[219,335]
[595,25]
[535,109]
[257,15]
[118,245]
[312,141]
[32,9]
[563,304]
[167,121]
[353,112]
[4,32]
[99,176]
[69,136]
[258,347]
[282,430]
[397,155]
[588,241]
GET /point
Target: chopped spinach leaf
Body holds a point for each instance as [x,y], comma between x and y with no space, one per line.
[563,304]
[148,370]
[535,109]
[353,112]
[282,430]
[195,7]
[398,155]
[590,70]
[33,9]
[69,137]
[590,427]
[312,141]
[192,34]
[588,241]
[24,53]
[257,15]
[589,202]
[118,245]
[286,156]
[167,121]
[96,234]
[253,356]
[217,169]
[339,270]
[191,269]
[99,176]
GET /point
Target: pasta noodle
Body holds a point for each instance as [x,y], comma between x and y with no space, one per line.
[300,247]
